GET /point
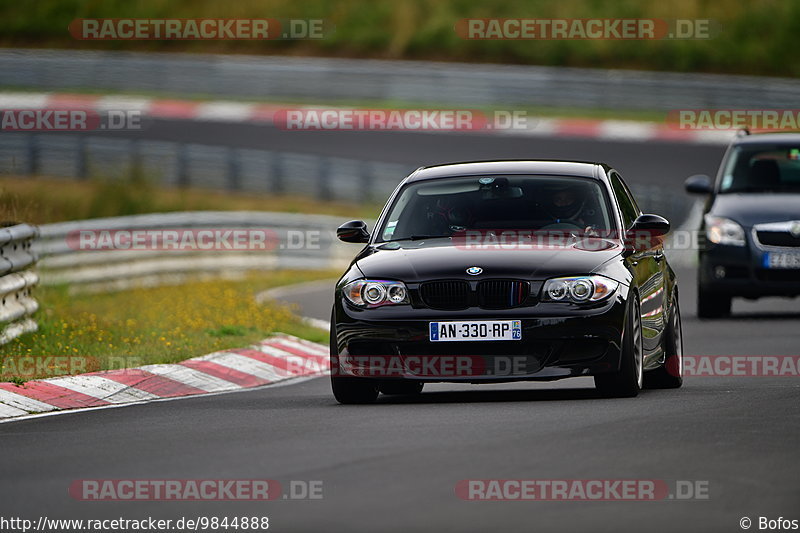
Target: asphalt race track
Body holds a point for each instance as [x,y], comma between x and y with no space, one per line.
[395,465]
[645,162]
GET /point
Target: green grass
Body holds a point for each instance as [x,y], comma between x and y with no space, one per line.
[81,332]
[87,332]
[752,37]
[42,200]
[90,331]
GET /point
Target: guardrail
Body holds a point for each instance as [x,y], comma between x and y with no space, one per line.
[17,279]
[322,79]
[298,241]
[219,167]
[194,165]
[295,241]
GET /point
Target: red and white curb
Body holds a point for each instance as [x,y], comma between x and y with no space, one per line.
[243,112]
[274,360]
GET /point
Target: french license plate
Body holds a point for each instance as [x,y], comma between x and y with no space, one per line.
[782,260]
[482,330]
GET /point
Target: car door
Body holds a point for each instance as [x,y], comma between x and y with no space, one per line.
[647,265]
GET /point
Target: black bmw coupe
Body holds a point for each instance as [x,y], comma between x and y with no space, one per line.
[498,271]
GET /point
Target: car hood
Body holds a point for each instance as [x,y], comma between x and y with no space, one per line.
[750,209]
[416,261]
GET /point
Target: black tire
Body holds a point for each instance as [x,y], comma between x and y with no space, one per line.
[628,381]
[348,390]
[398,387]
[670,374]
[712,304]
[353,390]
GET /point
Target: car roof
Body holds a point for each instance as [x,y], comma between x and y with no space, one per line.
[583,169]
[768,138]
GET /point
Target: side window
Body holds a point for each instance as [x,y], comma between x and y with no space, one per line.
[626,202]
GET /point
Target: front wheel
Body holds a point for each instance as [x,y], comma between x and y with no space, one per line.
[348,390]
[628,381]
[353,390]
[670,374]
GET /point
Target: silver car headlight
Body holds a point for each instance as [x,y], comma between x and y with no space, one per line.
[375,293]
[578,289]
[721,230]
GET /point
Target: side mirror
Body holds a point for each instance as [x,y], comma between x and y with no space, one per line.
[353,231]
[654,225]
[646,233]
[698,184]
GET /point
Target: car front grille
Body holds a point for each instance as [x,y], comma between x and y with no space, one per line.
[490,294]
[778,238]
[445,294]
[502,293]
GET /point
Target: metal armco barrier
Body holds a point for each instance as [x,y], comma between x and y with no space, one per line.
[295,241]
[217,167]
[17,279]
[321,79]
[193,165]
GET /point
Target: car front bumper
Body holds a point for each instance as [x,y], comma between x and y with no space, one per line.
[394,343]
[741,271]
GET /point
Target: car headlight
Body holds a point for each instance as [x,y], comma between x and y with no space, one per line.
[578,289]
[375,293]
[721,230]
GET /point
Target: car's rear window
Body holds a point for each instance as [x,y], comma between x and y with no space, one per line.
[762,168]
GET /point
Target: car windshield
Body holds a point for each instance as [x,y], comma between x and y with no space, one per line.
[759,169]
[444,207]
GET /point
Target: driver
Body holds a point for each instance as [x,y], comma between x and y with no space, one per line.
[448,216]
[566,205]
